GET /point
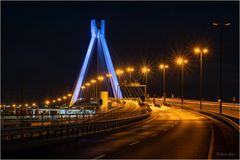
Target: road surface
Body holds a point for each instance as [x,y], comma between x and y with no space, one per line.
[168,133]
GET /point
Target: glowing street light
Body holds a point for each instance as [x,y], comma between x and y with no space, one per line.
[64,97]
[34,104]
[100,79]
[59,99]
[200,51]
[163,67]
[88,89]
[130,70]
[109,75]
[26,105]
[93,81]
[145,71]
[181,61]
[69,95]
[47,102]
[119,73]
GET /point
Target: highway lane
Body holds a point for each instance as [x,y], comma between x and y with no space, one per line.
[229,109]
[168,133]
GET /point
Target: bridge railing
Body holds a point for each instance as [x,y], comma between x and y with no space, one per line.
[73,127]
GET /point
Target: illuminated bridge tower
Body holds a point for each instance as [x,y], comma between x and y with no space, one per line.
[98,33]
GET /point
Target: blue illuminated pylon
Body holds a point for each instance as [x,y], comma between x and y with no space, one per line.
[100,35]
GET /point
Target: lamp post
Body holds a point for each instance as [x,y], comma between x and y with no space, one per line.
[119,73]
[130,70]
[100,79]
[163,67]
[109,77]
[200,51]
[220,26]
[93,81]
[88,89]
[181,61]
[83,88]
[145,71]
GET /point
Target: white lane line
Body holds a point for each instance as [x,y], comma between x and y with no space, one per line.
[131,144]
[210,152]
[165,130]
[100,156]
[153,135]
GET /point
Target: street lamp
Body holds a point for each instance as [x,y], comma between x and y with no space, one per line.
[100,78]
[200,51]
[82,88]
[119,73]
[163,67]
[145,71]
[88,89]
[181,61]
[220,26]
[47,102]
[109,77]
[130,70]
[93,81]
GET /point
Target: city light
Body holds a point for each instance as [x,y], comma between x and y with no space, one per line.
[14,105]
[100,78]
[34,104]
[130,69]
[145,70]
[59,99]
[162,66]
[198,50]
[47,102]
[54,101]
[26,105]
[109,75]
[64,97]
[181,61]
[83,87]
[88,84]
[93,81]
[119,72]
[69,95]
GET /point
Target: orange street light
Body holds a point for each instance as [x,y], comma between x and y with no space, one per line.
[200,51]
[47,102]
[181,61]
[130,70]
[164,67]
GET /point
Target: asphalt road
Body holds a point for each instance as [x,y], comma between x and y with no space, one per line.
[168,133]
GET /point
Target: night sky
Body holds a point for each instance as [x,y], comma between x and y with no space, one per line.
[43,45]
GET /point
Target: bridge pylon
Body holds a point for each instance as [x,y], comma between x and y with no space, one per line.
[97,33]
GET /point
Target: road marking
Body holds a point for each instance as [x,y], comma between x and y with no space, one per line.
[131,144]
[165,130]
[153,135]
[210,152]
[98,157]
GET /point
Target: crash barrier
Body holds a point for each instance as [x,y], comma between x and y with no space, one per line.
[24,120]
[111,122]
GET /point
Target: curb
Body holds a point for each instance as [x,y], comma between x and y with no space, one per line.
[220,117]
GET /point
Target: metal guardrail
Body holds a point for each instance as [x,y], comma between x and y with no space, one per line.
[110,122]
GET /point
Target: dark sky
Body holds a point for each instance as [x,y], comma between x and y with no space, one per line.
[43,44]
